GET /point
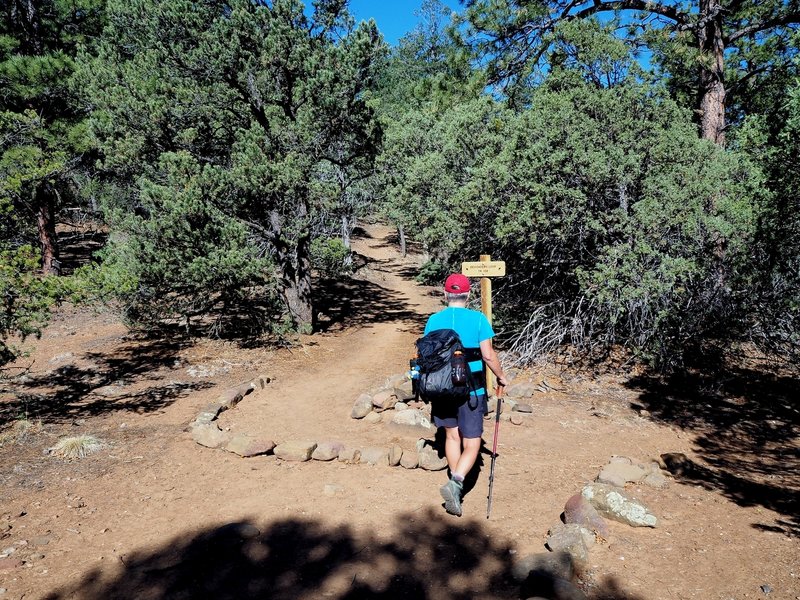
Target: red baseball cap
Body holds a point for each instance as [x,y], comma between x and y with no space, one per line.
[456,284]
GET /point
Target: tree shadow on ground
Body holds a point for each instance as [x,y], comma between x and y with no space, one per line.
[746,423]
[354,302]
[428,556]
[102,382]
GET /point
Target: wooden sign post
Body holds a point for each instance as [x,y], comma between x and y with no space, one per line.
[485,269]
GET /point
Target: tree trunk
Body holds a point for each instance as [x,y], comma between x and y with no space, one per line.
[401,234]
[712,72]
[295,268]
[46,228]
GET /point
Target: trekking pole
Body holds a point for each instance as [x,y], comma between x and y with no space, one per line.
[494,449]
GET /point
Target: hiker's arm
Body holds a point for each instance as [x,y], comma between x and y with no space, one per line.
[491,360]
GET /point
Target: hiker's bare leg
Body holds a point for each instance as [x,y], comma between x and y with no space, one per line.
[452,447]
[468,456]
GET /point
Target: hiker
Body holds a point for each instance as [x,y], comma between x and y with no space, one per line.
[463,424]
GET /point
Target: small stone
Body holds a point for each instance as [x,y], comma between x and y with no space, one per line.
[521,390]
[361,407]
[373,418]
[400,406]
[6,564]
[411,422]
[327,450]
[209,413]
[231,397]
[296,450]
[59,358]
[375,456]
[522,408]
[570,538]
[395,455]
[331,489]
[404,390]
[351,456]
[559,564]
[409,460]
[619,474]
[766,589]
[430,460]
[41,540]
[109,391]
[578,510]
[384,399]
[209,435]
[516,419]
[36,557]
[656,480]
[247,446]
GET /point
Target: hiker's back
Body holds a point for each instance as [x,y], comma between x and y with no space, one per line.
[470,325]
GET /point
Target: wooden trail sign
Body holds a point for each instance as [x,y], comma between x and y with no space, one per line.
[496,268]
[485,268]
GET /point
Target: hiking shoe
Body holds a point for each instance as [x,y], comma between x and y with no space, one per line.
[451,492]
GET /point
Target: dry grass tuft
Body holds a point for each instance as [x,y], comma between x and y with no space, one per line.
[76,447]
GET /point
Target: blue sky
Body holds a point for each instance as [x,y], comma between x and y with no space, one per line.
[394,17]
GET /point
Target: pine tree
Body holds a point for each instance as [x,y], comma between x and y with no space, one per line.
[262,95]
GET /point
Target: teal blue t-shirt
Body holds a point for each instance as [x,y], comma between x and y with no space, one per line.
[471,326]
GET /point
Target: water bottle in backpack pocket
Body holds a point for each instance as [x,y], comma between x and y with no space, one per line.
[458,369]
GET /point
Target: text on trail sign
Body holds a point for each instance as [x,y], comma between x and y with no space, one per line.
[495,268]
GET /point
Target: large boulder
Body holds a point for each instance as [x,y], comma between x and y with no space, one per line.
[615,504]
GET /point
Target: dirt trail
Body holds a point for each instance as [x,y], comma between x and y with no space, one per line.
[155,516]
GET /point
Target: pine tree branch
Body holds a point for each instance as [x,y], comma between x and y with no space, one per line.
[779,20]
[598,6]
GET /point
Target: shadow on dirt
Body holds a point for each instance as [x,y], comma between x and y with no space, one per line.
[429,556]
[354,302]
[747,424]
[99,383]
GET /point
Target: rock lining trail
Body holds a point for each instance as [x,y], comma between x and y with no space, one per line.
[156,516]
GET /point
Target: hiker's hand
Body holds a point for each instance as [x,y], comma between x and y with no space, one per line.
[501,386]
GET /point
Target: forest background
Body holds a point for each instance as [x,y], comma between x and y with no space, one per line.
[635,164]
